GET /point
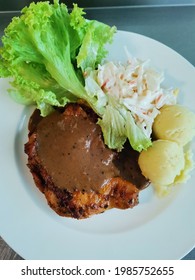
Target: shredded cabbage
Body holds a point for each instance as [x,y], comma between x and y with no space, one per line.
[136,88]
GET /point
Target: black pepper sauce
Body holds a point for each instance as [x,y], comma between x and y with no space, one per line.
[73,153]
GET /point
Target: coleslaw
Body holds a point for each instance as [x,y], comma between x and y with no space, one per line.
[136,86]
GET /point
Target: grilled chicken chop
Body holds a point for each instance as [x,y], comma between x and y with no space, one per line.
[77,173]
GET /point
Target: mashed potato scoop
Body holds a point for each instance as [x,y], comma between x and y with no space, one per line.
[162,162]
[175,123]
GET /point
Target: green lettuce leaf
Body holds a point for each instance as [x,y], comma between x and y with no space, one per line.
[50,55]
[46,50]
[138,140]
[116,121]
[118,125]
[113,126]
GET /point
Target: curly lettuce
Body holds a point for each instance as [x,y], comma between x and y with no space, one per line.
[46,51]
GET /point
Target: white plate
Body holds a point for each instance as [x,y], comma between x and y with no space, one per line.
[155,229]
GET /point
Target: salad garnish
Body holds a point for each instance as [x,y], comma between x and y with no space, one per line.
[134,96]
[54,57]
[46,50]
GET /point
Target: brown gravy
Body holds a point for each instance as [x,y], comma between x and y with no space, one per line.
[73,153]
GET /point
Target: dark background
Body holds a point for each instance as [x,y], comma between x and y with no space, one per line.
[15,5]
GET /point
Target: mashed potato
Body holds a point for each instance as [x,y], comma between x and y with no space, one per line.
[175,123]
[162,162]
